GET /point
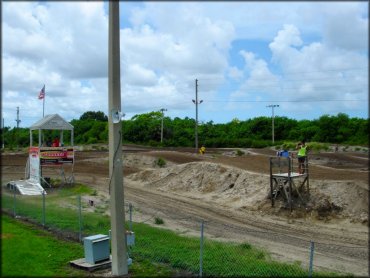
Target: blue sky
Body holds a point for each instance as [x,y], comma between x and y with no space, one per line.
[310,58]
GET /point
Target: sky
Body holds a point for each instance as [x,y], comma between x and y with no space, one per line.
[309,58]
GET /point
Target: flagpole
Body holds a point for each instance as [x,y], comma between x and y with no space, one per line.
[42,96]
[43,103]
[43,106]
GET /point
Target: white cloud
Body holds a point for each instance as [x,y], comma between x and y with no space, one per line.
[347,29]
[235,73]
[138,75]
[283,45]
[259,78]
[318,72]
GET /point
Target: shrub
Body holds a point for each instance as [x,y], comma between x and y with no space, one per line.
[158,221]
[314,146]
[288,146]
[94,193]
[92,140]
[160,162]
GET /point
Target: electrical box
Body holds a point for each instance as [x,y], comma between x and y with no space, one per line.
[96,248]
[130,238]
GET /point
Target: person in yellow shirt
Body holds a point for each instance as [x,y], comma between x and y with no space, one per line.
[302,154]
[202,150]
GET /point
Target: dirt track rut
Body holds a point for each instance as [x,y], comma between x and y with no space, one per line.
[221,223]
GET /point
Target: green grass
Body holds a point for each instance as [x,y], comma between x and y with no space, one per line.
[27,251]
[77,189]
[164,250]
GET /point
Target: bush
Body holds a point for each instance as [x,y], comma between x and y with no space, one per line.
[260,144]
[160,162]
[158,221]
[92,140]
[314,146]
[288,146]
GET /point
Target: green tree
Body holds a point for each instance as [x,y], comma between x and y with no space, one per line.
[96,116]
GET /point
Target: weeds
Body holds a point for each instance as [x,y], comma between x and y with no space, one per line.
[158,221]
[160,162]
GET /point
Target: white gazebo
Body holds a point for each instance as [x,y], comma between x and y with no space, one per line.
[51,122]
[44,155]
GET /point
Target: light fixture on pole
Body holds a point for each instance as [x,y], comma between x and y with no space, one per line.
[162,110]
[196,102]
[272,107]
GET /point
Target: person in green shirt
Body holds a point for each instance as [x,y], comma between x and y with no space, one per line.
[302,154]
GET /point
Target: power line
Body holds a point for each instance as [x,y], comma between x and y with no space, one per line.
[302,72]
[285,88]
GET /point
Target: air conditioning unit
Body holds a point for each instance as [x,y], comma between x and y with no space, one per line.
[96,248]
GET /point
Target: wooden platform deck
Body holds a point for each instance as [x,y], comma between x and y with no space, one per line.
[82,264]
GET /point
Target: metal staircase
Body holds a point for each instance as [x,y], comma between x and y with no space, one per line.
[26,187]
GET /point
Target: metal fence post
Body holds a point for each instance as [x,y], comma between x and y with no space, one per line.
[14,202]
[312,247]
[79,218]
[43,208]
[130,210]
[201,249]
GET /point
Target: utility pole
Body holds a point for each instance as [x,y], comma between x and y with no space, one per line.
[196,102]
[18,120]
[117,210]
[162,110]
[273,106]
[3,132]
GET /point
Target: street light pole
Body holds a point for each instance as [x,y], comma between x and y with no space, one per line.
[273,106]
[162,110]
[196,102]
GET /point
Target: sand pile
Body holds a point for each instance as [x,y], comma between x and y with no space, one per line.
[209,181]
[240,189]
[132,160]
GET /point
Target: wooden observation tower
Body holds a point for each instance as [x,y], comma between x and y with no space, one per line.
[287,181]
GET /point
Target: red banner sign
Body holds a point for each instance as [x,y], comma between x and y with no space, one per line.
[56,156]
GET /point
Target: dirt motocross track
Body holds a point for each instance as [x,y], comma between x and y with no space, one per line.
[230,193]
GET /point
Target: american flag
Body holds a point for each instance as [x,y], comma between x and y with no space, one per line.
[42,93]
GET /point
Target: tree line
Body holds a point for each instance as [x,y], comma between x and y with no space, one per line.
[92,127]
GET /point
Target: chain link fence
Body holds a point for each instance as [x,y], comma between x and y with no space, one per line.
[192,252]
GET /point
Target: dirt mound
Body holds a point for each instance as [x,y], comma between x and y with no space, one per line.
[212,182]
[342,199]
[240,189]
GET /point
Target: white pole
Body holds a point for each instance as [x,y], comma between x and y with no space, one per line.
[119,253]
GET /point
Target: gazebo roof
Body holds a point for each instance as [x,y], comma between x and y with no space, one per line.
[52,122]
